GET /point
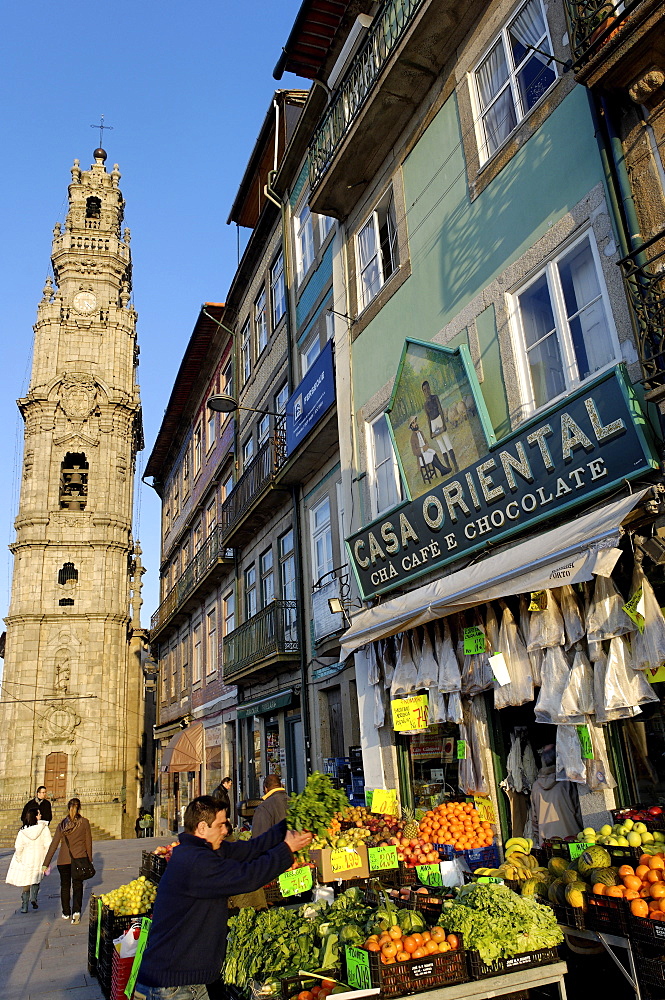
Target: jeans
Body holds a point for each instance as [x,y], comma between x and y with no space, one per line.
[198,992]
[76,886]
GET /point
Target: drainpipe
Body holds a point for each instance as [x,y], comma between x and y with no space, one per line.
[304,686]
[609,176]
[631,222]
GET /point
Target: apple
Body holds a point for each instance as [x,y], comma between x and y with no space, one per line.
[606,830]
[655,811]
[639,828]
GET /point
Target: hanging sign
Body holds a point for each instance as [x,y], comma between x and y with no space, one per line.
[294,882]
[634,608]
[384,800]
[138,957]
[585,742]
[484,808]
[357,969]
[382,859]
[474,641]
[410,713]
[429,874]
[344,859]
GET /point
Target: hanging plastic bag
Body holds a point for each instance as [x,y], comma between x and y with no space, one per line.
[642,692]
[601,714]
[546,628]
[529,767]
[471,772]
[598,774]
[535,655]
[449,677]
[373,666]
[428,668]
[569,763]
[648,646]
[437,707]
[618,692]
[519,690]
[606,618]
[476,673]
[556,673]
[455,713]
[514,777]
[379,707]
[571,614]
[388,661]
[577,698]
[596,651]
[405,676]
[491,630]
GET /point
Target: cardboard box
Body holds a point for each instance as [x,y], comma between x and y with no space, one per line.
[331,863]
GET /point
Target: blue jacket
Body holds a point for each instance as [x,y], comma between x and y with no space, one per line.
[187,939]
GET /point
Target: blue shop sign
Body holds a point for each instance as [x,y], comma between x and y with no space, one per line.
[311,400]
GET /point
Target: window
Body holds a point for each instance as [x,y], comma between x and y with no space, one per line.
[227,486]
[210,436]
[184,663]
[377,250]
[261,322]
[184,556]
[198,537]
[247,452]
[330,324]
[512,77]
[277,290]
[211,516]
[229,612]
[310,354]
[174,672]
[197,450]
[287,580]
[267,578]
[185,472]
[264,429]
[325,225]
[322,549]
[196,650]
[211,645]
[282,398]
[245,353]
[563,319]
[386,488]
[74,481]
[304,233]
[250,592]
[176,497]
[339,490]
[227,379]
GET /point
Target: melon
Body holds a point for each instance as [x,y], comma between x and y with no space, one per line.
[593,857]
[576,895]
[552,891]
[557,866]
[608,876]
[569,876]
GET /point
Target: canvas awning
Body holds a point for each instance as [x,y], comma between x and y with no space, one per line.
[570,553]
[184,751]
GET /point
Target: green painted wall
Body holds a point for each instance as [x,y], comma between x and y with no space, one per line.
[458,247]
[493,387]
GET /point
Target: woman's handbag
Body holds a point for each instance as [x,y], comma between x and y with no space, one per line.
[82,868]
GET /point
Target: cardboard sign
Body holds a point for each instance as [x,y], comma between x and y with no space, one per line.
[357,969]
[474,641]
[410,713]
[138,957]
[484,808]
[384,800]
[585,742]
[634,608]
[343,859]
[578,848]
[294,882]
[499,669]
[461,749]
[382,859]
[429,874]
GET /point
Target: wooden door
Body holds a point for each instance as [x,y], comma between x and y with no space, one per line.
[55,775]
[336,722]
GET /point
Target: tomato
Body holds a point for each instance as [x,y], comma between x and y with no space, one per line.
[305,995]
[453,941]
[418,938]
[369,946]
[444,946]
[395,932]
[389,950]
[328,984]
[402,956]
[420,952]
[438,934]
[410,944]
[431,947]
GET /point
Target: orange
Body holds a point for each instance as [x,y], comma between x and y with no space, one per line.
[626,870]
[653,875]
[632,881]
[641,870]
[615,890]
[657,915]
[658,890]
[599,889]
[644,859]
[654,904]
[639,908]
[656,861]
[631,894]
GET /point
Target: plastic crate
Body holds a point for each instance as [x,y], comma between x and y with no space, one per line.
[651,974]
[295,984]
[153,866]
[418,974]
[570,916]
[480,970]
[430,905]
[644,931]
[657,823]
[483,857]
[92,936]
[607,913]
[121,969]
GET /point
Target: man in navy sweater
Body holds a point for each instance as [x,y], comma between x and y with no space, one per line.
[187,941]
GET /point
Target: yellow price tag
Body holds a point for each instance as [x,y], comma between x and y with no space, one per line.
[634,608]
[344,860]
[385,801]
[485,808]
[410,713]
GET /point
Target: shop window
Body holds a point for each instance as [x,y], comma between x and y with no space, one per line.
[383,470]
[377,250]
[512,77]
[277,289]
[563,323]
[261,322]
[322,542]
[74,481]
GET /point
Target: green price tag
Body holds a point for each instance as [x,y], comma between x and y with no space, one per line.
[138,957]
[382,858]
[99,926]
[294,882]
[368,798]
[358,974]
[489,879]
[429,874]
[577,848]
[461,749]
[585,742]
[474,641]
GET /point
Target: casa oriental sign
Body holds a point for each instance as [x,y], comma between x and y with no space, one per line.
[566,457]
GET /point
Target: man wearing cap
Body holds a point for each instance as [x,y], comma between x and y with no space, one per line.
[555,804]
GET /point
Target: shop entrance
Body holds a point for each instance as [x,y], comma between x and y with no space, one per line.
[429,765]
[295,756]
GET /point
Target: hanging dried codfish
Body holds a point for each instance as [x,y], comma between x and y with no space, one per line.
[455,713]
[569,765]
[556,672]
[428,668]
[379,707]
[600,712]
[472,778]
[546,628]
[648,645]
[572,615]
[535,655]
[624,686]
[388,660]
[606,618]
[519,690]
[577,698]
[405,676]
[374,663]
[437,707]
[476,673]
[449,677]
[598,774]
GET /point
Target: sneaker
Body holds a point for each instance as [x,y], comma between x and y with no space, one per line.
[76,918]
[65,916]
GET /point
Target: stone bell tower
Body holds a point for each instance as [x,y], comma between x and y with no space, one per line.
[71,657]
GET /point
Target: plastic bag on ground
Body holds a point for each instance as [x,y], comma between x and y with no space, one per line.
[455,713]
[437,706]
[373,667]
[428,668]
[606,618]
[379,707]
[520,688]
[556,673]
[600,712]
[546,628]
[578,695]
[572,615]
[406,675]
[569,763]
[449,677]
[648,647]
[598,774]
[388,661]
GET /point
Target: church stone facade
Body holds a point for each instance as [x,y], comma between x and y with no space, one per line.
[74,639]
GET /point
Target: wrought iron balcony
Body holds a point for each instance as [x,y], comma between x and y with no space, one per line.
[257,478]
[212,554]
[644,276]
[258,644]
[593,22]
[384,36]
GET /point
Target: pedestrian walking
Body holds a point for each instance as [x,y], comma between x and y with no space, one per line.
[30,848]
[222,796]
[39,802]
[74,838]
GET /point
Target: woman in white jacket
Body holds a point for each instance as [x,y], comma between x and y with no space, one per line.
[25,868]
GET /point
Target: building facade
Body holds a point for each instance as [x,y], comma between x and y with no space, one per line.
[74,639]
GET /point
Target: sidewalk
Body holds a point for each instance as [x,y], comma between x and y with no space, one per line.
[43,957]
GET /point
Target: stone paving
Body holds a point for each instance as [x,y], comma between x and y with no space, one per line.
[42,957]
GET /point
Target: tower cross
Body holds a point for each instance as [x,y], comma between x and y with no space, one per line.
[101,128]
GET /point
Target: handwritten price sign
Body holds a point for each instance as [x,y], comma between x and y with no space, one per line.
[358,973]
[429,874]
[384,800]
[383,858]
[294,882]
[474,641]
[344,860]
[484,808]
[410,713]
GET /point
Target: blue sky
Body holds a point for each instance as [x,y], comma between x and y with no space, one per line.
[186,87]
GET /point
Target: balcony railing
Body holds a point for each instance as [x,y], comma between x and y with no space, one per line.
[211,552]
[384,36]
[644,275]
[271,632]
[592,23]
[258,475]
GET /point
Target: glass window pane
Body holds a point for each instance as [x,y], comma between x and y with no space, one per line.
[585,310]
[527,29]
[535,78]
[536,310]
[492,74]
[543,349]
[499,121]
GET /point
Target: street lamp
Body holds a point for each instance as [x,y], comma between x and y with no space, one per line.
[221,402]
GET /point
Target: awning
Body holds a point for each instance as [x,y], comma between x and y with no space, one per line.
[184,751]
[570,553]
[270,704]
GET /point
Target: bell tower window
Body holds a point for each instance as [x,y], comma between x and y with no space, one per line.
[74,481]
[68,572]
[93,208]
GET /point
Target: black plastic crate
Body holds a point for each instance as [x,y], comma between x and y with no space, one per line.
[656,823]
[570,916]
[644,931]
[295,984]
[418,974]
[608,913]
[430,905]
[481,970]
[651,974]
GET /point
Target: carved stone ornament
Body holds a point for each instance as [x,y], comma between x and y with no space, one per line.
[60,721]
[646,85]
[78,394]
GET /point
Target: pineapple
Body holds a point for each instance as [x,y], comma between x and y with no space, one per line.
[411,827]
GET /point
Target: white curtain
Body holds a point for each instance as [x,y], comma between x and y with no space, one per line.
[369,263]
[529,27]
[591,321]
[500,118]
